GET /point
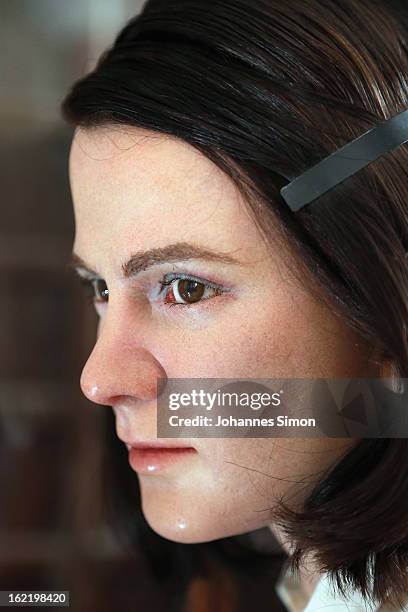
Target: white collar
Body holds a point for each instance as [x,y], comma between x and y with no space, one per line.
[324,597]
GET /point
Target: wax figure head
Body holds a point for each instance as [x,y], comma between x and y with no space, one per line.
[184,133]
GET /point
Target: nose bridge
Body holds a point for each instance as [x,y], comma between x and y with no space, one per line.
[120,365]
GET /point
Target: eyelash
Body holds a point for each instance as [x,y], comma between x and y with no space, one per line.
[167,281]
[172,277]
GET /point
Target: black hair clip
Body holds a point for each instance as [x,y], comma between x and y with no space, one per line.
[345,162]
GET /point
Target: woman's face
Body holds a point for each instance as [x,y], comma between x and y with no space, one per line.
[145,194]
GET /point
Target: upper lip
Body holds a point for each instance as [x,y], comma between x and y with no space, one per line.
[157,444]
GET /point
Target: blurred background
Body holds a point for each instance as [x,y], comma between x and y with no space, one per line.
[53,530]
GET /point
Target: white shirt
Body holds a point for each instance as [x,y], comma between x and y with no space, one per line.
[324,597]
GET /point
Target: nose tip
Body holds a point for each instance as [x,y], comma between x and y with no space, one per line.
[135,374]
[88,388]
[90,391]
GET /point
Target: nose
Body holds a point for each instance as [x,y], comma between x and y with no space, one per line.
[119,367]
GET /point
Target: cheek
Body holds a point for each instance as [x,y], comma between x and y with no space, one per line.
[275,340]
[282,335]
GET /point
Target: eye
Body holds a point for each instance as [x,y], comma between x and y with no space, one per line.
[182,290]
[186,291]
[96,289]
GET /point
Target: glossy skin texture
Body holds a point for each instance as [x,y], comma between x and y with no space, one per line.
[134,190]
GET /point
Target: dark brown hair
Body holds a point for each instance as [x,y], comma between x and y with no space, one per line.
[265,89]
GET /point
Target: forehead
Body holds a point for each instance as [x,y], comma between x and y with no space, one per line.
[128,183]
[161,161]
[126,157]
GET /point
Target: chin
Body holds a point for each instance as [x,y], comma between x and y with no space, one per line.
[189,522]
[182,531]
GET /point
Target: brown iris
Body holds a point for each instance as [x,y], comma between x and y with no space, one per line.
[101,290]
[190,291]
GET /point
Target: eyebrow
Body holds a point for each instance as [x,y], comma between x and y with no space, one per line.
[142,260]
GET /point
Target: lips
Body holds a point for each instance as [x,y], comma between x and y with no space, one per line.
[156,456]
[156,444]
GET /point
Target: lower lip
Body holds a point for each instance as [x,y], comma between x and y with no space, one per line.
[153,460]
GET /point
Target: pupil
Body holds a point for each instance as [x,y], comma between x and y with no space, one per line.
[191,290]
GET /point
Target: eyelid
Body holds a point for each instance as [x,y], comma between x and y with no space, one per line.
[85,274]
[170,276]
